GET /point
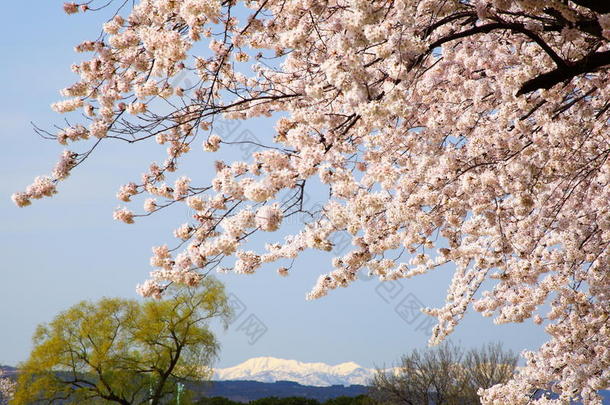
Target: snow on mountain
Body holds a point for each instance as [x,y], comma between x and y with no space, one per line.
[270,369]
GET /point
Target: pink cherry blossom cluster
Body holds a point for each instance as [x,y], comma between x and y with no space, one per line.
[469,133]
[7,389]
[43,186]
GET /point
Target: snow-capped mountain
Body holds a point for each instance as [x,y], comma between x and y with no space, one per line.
[269,369]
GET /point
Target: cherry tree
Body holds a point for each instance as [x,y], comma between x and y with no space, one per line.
[472,133]
[7,388]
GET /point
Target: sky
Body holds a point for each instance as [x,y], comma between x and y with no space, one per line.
[67,249]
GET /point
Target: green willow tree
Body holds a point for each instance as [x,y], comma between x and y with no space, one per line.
[122,351]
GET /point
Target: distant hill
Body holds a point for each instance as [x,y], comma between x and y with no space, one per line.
[8,370]
[245,391]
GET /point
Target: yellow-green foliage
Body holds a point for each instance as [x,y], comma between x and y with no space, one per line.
[123,351]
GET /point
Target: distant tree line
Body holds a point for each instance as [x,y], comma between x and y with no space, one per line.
[359,400]
[446,375]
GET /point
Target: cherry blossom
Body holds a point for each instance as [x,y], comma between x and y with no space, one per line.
[7,388]
[472,134]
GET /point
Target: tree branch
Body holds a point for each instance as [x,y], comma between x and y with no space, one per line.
[588,64]
[600,6]
[503,25]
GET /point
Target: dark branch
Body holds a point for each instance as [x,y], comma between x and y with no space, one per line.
[591,27]
[588,64]
[600,6]
[482,29]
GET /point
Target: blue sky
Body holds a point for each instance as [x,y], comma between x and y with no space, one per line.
[67,249]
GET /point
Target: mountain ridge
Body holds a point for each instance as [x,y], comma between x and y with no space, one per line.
[319,374]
